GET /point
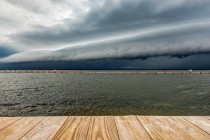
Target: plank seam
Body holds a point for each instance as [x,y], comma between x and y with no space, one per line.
[129,125]
[90,128]
[144,127]
[52,137]
[32,128]
[11,124]
[62,127]
[162,121]
[116,128]
[81,128]
[195,125]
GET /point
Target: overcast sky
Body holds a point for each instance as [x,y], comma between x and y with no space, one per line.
[141,32]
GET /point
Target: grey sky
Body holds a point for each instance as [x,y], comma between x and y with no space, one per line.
[51,30]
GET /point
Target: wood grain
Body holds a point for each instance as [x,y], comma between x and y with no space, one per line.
[46,129]
[74,128]
[200,122]
[191,130]
[129,128]
[102,128]
[6,121]
[187,128]
[19,128]
[161,129]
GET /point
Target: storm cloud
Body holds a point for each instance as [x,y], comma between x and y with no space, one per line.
[6,51]
[111,30]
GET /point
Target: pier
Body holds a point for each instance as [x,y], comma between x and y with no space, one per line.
[105,127]
[109,71]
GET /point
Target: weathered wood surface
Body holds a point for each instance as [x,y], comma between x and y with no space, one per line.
[105,127]
[200,122]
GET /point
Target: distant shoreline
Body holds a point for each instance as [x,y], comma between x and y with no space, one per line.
[110,71]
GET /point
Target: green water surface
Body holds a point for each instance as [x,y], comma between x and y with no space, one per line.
[104,94]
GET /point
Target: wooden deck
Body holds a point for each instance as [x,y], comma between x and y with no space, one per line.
[105,127]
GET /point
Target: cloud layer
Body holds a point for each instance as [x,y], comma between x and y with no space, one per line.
[6,51]
[119,29]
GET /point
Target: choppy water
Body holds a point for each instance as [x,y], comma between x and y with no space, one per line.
[104,94]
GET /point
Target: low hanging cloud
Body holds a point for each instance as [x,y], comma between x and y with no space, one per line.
[6,51]
[173,41]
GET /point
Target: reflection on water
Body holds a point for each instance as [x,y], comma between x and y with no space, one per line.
[104,94]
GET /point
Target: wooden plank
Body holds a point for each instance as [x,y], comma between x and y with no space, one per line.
[6,121]
[161,129]
[137,128]
[46,129]
[119,127]
[19,128]
[190,129]
[74,128]
[102,128]
[179,128]
[200,122]
[130,128]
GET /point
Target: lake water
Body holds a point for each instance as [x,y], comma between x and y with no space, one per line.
[104,94]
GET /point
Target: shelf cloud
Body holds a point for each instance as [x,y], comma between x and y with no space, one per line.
[114,30]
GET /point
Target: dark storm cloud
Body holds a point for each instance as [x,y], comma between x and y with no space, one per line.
[6,51]
[147,12]
[116,31]
[116,17]
[176,41]
[199,62]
